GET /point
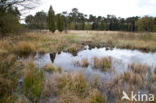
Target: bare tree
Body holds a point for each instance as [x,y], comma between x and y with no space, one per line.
[23,4]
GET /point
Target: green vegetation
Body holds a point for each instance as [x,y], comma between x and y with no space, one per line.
[51,19]
[60,23]
[7,24]
[39,21]
[10,15]
[33,82]
[76,20]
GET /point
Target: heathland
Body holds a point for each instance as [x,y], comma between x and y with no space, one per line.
[22,82]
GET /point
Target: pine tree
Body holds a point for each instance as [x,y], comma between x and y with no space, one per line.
[51,20]
[60,23]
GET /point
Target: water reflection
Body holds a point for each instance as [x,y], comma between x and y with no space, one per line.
[120,60]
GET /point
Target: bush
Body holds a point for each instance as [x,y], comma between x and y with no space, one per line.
[9,24]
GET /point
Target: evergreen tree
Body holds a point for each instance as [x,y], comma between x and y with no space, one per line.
[51,20]
[60,23]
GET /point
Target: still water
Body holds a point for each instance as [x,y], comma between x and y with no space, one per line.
[121,58]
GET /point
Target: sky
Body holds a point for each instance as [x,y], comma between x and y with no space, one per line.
[120,8]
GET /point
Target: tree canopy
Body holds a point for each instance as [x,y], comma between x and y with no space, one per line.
[10,14]
[51,19]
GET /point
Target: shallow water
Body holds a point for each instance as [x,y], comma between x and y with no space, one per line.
[120,60]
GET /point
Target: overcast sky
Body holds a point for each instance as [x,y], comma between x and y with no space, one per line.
[120,8]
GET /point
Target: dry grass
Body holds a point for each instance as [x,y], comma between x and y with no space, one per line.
[50,68]
[71,87]
[104,63]
[83,62]
[24,48]
[75,40]
[137,68]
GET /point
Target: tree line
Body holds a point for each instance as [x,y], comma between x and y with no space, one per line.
[76,20]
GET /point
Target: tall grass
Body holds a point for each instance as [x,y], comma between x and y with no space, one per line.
[104,63]
[83,62]
[23,48]
[69,87]
[33,82]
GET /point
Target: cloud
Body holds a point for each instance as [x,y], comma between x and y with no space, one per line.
[122,8]
[147,7]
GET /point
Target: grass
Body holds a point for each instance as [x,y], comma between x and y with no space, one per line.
[83,63]
[68,87]
[33,82]
[75,40]
[9,74]
[50,68]
[104,63]
[24,48]
[137,68]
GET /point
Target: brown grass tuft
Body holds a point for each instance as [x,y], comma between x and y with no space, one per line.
[83,62]
[104,63]
[138,68]
[24,48]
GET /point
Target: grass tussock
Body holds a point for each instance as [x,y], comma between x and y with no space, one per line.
[83,62]
[10,70]
[50,68]
[33,82]
[24,48]
[69,87]
[137,68]
[104,63]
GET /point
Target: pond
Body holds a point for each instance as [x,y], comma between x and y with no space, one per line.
[121,58]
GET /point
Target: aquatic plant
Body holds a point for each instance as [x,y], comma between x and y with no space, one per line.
[83,62]
[138,68]
[104,63]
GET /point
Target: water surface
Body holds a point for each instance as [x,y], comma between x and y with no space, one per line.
[121,58]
